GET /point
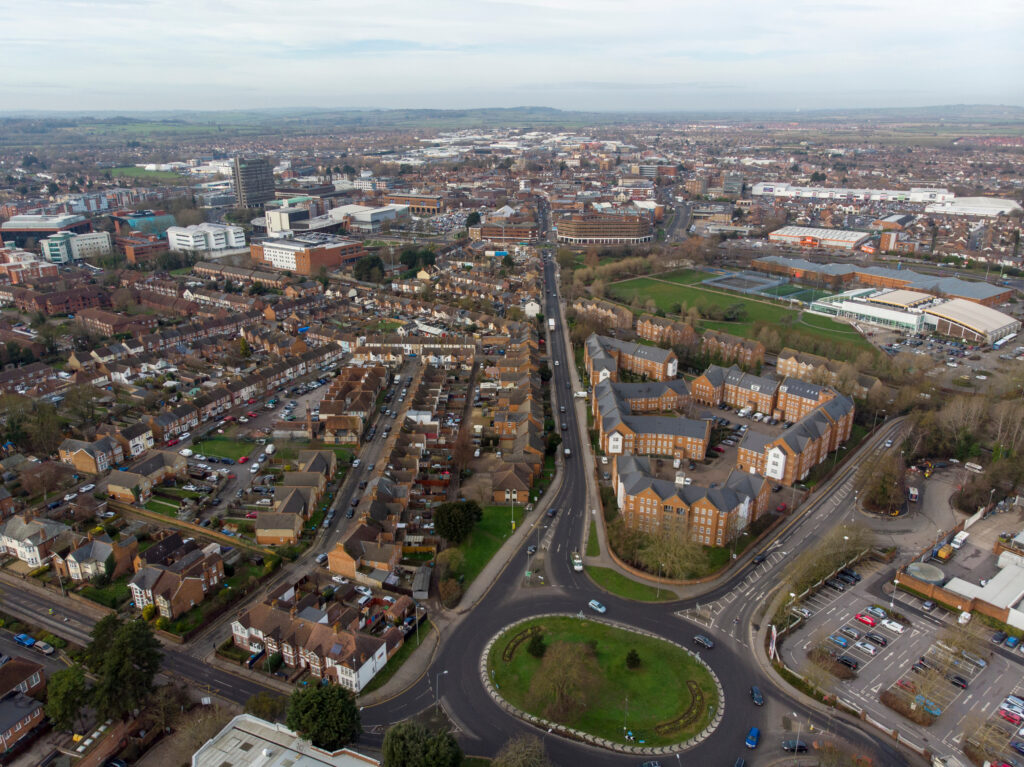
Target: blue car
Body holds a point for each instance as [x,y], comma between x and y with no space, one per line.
[1012,641]
[753,737]
[24,640]
[841,641]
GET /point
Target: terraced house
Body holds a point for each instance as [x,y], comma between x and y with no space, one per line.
[324,641]
[620,431]
[604,357]
[789,457]
[709,516]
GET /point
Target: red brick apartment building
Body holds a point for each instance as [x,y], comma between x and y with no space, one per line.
[789,457]
[662,331]
[604,356]
[732,349]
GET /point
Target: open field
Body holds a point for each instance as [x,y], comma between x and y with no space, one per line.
[660,681]
[149,175]
[666,295]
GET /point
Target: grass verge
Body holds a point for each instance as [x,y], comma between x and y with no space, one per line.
[616,583]
[400,657]
[593,544]
[485,540]
[222,447]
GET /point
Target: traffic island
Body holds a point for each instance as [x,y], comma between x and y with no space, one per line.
[598,682]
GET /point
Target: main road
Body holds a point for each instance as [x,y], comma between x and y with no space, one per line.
[453,677]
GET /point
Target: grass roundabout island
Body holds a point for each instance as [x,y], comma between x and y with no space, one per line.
[605,681]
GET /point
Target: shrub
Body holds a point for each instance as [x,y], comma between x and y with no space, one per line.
[450,592]
[274,662]
[162,623]
[536,647]
[632,659]
[148,612]
[901,705]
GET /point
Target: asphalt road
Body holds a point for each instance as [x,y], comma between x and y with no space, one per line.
[453,677]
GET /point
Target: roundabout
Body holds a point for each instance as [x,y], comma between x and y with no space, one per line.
[576,676]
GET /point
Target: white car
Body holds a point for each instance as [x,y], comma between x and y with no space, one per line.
[596,606]
[86,488]
[243,419]
[255,469]
[888,443]
[186,452]
[896,628]
[870,649]
[70,496]
[557,363]
[364,590]
[355,463]
[341,581]
[184,436]
[190,487]
[200,457]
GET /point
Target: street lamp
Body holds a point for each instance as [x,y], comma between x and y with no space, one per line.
[892,597]
[437,687]
[798,724]
[661,567]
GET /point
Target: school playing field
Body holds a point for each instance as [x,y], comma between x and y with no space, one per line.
[682,288]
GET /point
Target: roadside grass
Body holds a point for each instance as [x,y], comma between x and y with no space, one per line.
[485,540]
[857,435]
[400,657]
[616,583]
[222,447]
[593,544]
[657,688]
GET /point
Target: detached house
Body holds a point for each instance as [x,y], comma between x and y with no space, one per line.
[89,558]
[134,440]
[32,540]
[93,457]
[176,588]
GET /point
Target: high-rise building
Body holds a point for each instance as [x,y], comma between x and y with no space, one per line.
[254,181]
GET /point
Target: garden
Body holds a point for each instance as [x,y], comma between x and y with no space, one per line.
[584,674]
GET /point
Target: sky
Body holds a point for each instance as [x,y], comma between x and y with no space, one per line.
[568,54]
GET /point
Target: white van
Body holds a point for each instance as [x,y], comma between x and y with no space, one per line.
[744,412]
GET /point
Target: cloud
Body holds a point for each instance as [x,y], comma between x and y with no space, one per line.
[563,53]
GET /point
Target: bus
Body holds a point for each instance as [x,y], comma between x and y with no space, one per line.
[1002,341]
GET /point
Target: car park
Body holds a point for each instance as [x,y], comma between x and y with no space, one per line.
[841,641]
[832,583]
[957,681]
[851,632]
[849,662]
[803,611]
[876,638]
[877,612]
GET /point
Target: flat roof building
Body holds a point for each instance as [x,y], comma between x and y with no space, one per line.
[969,320]
[21,229]
[254,181]
[306,254]
[603,229]
[248,740]
[817,237]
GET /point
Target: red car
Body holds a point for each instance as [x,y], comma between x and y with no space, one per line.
[867,620]
[251,515]
[1010,716]
[172,442]
[229,418]
[245,459]
[252,414]
[718,449]
[908,686]
[250,401]
[781,507]
[231,476]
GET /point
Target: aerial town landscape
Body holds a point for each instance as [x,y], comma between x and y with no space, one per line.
[512,436]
